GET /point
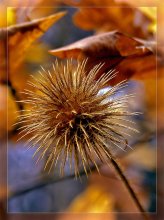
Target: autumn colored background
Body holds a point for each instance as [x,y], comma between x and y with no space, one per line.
[124,35]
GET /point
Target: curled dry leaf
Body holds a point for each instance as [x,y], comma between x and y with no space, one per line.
[23,35]
[20,38]
[127,55]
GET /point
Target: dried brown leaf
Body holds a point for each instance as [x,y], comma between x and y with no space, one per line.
[128,55]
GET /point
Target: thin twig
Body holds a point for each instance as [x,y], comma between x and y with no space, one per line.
[129,188]
[44,182]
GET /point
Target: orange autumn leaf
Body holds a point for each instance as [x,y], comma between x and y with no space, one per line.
[20,38]
[108,15]
[116,50]
[3,61]
[23,35]
[8,110]
[142,3]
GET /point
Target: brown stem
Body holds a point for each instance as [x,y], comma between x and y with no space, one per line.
[129,188]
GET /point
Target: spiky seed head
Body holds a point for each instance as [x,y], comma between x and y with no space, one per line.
[71,119]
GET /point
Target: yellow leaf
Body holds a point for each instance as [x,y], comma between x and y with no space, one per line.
[92,200]
[11,16]
[151,12]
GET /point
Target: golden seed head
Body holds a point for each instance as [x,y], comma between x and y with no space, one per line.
[72,119]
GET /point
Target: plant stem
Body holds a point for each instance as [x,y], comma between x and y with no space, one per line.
[129,188]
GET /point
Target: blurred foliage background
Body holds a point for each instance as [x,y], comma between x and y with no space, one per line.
[35,33]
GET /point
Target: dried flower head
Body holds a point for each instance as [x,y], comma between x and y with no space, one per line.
[72,119]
